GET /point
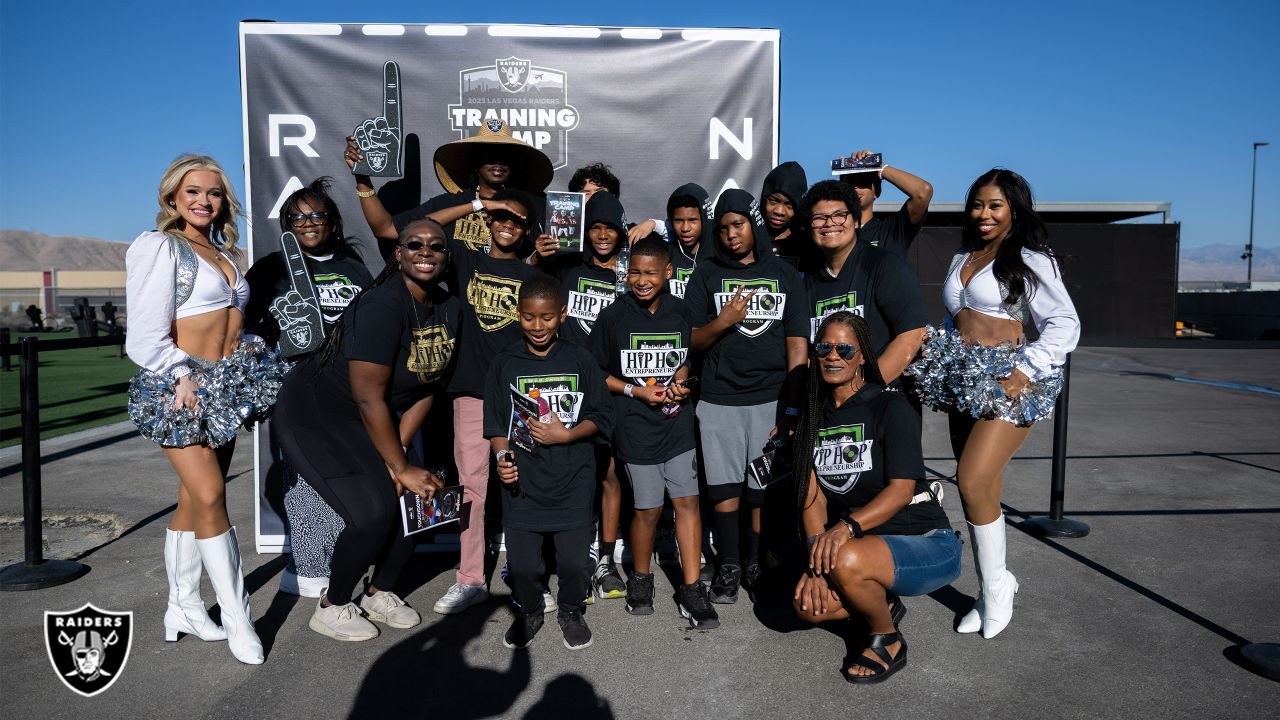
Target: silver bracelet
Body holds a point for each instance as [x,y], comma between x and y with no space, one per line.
[628,390]
[180,372]
[477,205]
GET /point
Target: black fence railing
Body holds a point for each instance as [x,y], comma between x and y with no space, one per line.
[35,572]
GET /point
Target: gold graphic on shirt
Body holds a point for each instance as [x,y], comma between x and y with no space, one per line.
[430,352]
[494,300]
[473,231]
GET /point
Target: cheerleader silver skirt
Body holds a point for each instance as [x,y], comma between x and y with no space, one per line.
[951,375]
[233,391]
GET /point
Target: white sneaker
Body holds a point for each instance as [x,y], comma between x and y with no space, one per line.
[301,585]
[342,622]
[548,603]
[388,609]
[460,597]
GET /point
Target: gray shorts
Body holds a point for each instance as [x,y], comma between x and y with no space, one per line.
[731,438]
[678,476]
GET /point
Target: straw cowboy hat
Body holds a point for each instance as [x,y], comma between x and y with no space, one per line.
[456,160]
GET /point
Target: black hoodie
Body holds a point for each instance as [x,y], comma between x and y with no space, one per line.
[680,260]
[748,364]
[587,287]
[789,179]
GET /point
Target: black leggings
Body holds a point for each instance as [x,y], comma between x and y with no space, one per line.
[526,565]
[336,456]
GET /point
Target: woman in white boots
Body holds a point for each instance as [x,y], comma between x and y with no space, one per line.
[199,375]
[979,368]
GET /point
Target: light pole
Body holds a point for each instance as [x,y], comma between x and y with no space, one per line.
[1253,188]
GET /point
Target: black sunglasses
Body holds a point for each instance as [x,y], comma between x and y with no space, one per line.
[318,217]
[846,351]
[506,216]
[416,245]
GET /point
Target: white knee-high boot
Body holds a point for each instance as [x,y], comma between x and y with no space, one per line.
[997,586]
[221,557]
[186,612]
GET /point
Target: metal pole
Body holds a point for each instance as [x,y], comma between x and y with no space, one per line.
[4,350]
[1253,187]
[1056,525]
[34,572]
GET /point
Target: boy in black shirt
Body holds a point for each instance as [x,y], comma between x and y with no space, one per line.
[895,231]
[779,197]
[488,284]
[750,324]
[687,228]
[643,341]
[550,490]
[865,280]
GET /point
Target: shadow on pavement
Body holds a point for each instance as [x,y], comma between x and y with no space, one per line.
[570,696]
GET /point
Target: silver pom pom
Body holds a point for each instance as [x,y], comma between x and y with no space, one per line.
[233,391]
[953,375]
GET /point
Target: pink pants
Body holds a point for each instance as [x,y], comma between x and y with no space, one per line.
[471,453]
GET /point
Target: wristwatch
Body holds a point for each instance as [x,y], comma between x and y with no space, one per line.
[477,205]
[855,530]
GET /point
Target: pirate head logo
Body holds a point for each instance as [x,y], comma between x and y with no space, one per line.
[494,125]
[88,647]
[513,73]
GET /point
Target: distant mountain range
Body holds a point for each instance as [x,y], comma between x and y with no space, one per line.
[25,250]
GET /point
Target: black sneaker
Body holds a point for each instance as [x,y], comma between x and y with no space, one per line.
[576,633]
[522,630]
[724,588]
[607,581]
[640,593]
[751,575]
[695,606]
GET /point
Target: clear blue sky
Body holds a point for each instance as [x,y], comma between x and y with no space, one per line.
[1104,101]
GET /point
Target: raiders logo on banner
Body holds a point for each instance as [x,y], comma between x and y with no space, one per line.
[88,647]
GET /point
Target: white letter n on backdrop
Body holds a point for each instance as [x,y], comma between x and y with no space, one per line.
[302,142]
[720,132]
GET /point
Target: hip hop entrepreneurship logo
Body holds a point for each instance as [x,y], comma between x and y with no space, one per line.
[533,100]
[88,647]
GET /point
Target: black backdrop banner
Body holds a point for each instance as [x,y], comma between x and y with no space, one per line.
[662,106]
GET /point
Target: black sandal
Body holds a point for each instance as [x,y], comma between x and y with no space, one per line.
[880,672]
[897,610]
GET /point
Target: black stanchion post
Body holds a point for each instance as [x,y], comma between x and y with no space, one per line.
[4,350]
[34,572]
[1056,525]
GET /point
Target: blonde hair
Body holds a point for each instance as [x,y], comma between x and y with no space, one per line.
[168,221]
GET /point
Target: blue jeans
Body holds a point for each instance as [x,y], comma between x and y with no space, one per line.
[924,563]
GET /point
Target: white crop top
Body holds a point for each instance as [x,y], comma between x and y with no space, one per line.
[1048,307]
[165,280]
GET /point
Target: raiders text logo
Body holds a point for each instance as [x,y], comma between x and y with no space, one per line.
[89,647]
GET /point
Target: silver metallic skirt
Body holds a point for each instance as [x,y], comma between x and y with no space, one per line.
[951,375]
[234,391]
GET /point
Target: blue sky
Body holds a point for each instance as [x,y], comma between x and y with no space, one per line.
[1104,101]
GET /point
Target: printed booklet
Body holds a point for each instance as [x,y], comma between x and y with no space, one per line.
[848,166]
[565,211]
[524,407]
[445,506]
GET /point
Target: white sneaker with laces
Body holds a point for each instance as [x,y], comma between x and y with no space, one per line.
[460,597]
[342,622]
[388,609]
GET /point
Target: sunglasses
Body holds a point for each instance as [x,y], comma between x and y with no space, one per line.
[846,351]
[318,217]
[416,245]
[506,216]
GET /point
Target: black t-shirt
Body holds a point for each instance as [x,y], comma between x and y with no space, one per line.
[387,326]
[747,365]
[878,285]
[892,232]
[338,280]
[587,289]
[489,289]
[471,229]
[558,482]
[862,445]
[633,345]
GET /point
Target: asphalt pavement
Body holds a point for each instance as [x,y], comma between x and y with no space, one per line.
[1179,481]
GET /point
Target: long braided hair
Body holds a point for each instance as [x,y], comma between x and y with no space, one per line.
[816,393]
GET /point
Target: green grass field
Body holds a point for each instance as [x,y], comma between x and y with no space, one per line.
[79,389]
